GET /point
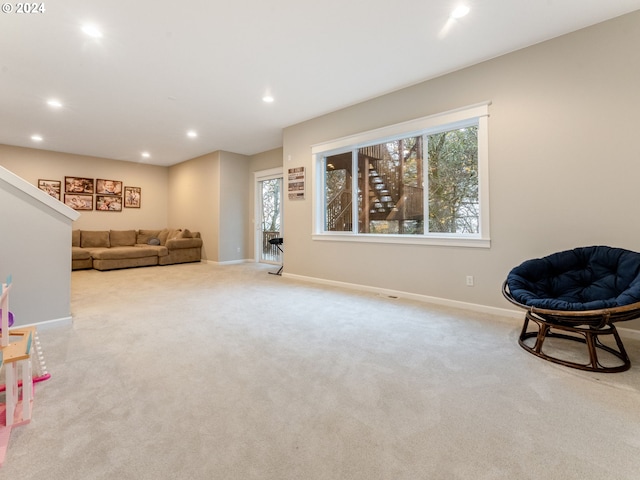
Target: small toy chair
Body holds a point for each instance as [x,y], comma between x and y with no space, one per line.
[577,295]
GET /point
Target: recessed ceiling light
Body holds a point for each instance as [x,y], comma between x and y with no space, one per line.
[267,99]
[92,31]
[54,103]
[192,134]
[460,11]
[146,154]
[36,138]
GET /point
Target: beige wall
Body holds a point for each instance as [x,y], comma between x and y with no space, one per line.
[564,165]
[32,164]
[211,193]
[35,240]
[215,193]
[195,200]
[266,160]
[234,206]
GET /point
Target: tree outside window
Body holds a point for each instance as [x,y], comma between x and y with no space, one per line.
[391,184]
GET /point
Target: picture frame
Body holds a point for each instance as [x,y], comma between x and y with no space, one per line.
[132,197]
[108,187]
[51,187]
[296,183]
[78,201]
[108,203]
[78,185]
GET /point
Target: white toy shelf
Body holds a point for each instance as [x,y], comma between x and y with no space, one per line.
[15,358]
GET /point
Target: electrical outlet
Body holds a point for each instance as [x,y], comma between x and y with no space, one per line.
[469,280]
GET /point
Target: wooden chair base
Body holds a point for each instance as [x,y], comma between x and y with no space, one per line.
[586,334]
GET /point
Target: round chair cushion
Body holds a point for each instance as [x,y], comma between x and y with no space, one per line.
[586,278]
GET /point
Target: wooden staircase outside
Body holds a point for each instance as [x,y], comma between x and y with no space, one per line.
[382,195]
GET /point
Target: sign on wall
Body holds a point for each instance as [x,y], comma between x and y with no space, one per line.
[296,183]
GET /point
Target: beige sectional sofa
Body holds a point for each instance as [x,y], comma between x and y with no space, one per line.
[111,249]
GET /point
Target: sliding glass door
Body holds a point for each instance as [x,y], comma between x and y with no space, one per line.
[268,215]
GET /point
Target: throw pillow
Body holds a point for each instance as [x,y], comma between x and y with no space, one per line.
[167,234]
[163,236]
[185,234]
[154,241]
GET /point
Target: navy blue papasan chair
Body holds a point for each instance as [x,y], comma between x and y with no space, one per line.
[578,295]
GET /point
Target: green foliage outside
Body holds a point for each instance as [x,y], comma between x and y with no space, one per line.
[453,181]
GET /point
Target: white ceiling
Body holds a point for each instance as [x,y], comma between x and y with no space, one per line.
[165,67]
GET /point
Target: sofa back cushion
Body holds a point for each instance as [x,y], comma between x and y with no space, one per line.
[122,238]
[145,235]
[167,234]
[75,238]
[94,239]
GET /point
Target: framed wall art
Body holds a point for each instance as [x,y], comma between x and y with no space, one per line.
[296,183]
[132,196]
[108,203]
[78,201]
[108,187]
[52,187]
[78,185]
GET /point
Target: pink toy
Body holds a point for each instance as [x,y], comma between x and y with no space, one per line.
[40,373]
[16,347]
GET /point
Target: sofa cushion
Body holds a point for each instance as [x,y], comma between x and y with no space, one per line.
[160,250]
[78,253]
[116,253]
[176,243]
[94,238]
[75,238]
[122,238]
[145,235]
[167,234]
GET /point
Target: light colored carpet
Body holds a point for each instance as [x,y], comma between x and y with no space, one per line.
[200,371]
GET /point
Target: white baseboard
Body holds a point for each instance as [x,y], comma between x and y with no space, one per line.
[230,262]
[50,323]
[502,312]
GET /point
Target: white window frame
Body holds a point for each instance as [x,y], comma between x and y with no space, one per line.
[459,118]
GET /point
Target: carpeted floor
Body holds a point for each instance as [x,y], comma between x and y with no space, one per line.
[207,372]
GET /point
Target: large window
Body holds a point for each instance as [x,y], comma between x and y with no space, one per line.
[423,180]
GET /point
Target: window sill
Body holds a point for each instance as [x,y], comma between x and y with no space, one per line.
[440,240]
